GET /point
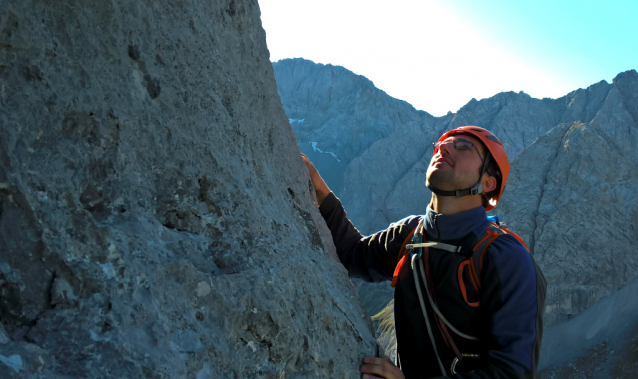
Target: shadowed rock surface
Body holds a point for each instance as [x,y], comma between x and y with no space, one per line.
[155,216]
[601,342]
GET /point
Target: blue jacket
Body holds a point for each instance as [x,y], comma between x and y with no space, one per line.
[508,320]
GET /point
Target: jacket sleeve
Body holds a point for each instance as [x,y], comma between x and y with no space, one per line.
[513,301]
[371,258]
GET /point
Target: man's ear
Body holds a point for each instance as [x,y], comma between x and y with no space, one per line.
[489,183]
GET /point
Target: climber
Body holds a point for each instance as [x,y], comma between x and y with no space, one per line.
[468,296]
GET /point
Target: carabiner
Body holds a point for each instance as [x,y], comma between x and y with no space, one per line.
[456,360]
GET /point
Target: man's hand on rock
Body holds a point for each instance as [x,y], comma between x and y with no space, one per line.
[321,188]
[374,367]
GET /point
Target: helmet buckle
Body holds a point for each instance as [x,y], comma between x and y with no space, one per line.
[476,189]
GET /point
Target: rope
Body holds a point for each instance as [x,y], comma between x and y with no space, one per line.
[425,314]
[436,309]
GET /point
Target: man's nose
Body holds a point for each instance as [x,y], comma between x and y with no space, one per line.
[445,146]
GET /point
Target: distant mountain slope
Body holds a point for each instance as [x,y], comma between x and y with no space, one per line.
[337,116]
[572,188]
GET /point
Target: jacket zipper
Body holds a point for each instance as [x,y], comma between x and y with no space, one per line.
[436,223]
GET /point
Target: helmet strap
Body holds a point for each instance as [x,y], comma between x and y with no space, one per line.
[476,189]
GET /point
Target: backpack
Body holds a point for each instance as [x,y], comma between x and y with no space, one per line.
[475,261]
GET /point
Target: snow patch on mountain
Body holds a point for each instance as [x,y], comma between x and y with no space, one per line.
[318,150]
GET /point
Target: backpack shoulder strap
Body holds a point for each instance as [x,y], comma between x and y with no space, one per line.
[402,257]
[478,255]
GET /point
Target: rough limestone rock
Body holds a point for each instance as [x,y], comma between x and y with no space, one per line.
[155,217]
[571,193]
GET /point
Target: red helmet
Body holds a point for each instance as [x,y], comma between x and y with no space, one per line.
[496,149]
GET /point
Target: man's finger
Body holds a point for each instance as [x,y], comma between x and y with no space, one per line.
[371,371]
[381,367]
[308,163]
[372,365]
[321,188]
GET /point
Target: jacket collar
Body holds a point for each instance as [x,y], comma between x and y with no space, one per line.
[452,227]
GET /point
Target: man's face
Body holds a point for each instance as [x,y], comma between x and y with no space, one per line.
[453,169]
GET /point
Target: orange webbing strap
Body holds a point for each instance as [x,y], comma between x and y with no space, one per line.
[474,277]
[403,257]
[462,284]
[492,232]
[478,255]
[507,231]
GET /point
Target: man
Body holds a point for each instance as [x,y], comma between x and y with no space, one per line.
[457,312]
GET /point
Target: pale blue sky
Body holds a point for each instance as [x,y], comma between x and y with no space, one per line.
[437,55]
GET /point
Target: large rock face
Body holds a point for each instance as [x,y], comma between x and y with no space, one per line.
[572,190]
[155,216]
